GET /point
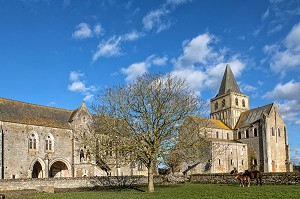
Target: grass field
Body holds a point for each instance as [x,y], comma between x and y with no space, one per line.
[183,191]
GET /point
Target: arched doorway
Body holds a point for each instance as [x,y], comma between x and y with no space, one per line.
[59,169]
[37,170]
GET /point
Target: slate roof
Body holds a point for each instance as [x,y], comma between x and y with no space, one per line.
[229,83]
[31,114]
[249,117]
[211,123]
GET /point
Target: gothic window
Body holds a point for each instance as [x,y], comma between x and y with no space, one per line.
[217,135]
[247,133]
[223,103]
[49,143]
[216,106]
[278,132]
[239,135]
[272,130]
[33,141]
[255,132]
[243,103]
[236,101]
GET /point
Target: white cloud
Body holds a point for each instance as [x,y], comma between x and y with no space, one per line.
[158,61]
[98,29]
[266,14]
[288,100]
[284,91]
[200,64]
[135,70]
[108,48]
[82,31]
[285,56]
[75,75]
[132,36]
[154,20]
[78,85]
[195,51]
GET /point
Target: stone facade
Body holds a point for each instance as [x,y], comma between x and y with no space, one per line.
[256,138]
[44,142]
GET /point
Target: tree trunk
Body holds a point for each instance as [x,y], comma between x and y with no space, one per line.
[150,178]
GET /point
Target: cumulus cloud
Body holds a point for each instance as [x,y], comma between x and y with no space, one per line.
[78,85]
[132,36]
[200,64]
[288,100]
[138,69]
[135,70]
[285,56]
[84,31]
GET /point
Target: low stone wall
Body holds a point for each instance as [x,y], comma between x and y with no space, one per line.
[267,178]
[72,183]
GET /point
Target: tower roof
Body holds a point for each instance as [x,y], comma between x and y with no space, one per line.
[228,82]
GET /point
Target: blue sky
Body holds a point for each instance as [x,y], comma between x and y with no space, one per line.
[60,52]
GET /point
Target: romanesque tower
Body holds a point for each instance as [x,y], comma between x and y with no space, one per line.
[230,102]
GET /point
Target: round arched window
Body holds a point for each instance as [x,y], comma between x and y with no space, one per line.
[216,106]
[223,103]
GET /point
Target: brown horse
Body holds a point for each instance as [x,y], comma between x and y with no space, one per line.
[254,174]
[243,180]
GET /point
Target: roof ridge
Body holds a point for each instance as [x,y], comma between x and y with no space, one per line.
[37,105]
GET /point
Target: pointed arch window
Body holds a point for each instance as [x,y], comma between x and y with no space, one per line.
[49,142]
[33,141]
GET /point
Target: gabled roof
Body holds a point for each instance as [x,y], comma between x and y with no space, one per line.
[249,117]
[210,123]
[229,83]
[31,114]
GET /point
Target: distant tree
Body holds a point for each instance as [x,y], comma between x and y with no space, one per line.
[141,120]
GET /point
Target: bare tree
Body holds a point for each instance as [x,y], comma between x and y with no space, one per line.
[144,117]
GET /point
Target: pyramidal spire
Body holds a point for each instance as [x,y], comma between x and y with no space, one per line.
[228,82]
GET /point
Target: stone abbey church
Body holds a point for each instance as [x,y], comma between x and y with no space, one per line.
[42,142]
[241,137]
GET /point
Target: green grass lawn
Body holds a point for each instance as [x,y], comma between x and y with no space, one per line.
[185,191]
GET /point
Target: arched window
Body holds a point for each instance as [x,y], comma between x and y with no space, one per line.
[33,141]
[236,101]
[216,106]
[217,135]
[278,132]
[242,162]
[228,136]
[255,132]
[49,142]
[272,131]
[239,135]
[81,155]
[243,103]
[231,162]
[219,161]
[247,133]
[223,103]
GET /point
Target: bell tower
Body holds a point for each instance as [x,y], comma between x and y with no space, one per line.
[230,102]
